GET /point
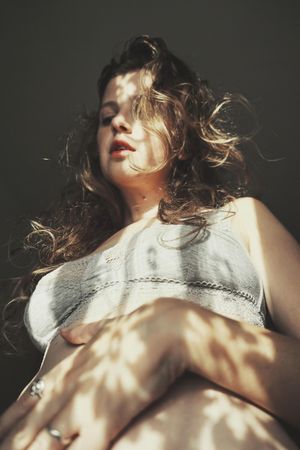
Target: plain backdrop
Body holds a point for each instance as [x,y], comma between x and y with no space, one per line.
[52,52]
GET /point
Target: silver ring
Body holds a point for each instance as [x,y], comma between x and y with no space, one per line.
[37,388]
[54,433]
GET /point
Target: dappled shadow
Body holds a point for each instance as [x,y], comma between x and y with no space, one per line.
[191,413]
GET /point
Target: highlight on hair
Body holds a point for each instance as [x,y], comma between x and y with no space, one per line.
[203,146]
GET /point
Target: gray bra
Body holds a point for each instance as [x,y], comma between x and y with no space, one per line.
[210,267]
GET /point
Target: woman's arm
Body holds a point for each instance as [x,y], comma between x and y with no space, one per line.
[276,256]
[260,365]
[257,364]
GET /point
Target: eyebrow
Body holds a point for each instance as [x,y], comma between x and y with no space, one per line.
[110,103]
[113,104]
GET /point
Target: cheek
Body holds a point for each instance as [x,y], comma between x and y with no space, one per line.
[101,148]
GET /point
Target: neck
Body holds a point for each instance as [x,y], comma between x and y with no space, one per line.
[142,203]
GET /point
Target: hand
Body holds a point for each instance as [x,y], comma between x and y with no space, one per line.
[127,363]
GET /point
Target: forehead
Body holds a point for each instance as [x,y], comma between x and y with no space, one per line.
[124,87]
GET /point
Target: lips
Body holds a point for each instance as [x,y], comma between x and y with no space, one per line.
[118,145]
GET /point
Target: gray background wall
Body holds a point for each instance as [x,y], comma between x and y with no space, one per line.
[51,55]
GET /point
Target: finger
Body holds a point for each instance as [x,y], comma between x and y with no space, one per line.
[52,438]
[24,432]
[81,334]
[62,429]
[44,441]
[80,426]
[15,412]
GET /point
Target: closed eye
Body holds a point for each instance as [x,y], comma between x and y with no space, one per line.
[106,120]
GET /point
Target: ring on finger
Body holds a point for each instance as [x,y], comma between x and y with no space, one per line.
[37,388]
[56,434]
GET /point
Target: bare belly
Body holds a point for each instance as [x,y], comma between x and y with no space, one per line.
[193,414]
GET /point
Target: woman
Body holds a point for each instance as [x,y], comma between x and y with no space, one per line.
[152,314]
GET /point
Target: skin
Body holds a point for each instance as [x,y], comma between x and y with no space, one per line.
[141,189]
[138,381]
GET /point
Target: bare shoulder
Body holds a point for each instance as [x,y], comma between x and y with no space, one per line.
[245,209]
[243,218]
[255,220]
[275,254]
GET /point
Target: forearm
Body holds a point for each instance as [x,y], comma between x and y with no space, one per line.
[255,363]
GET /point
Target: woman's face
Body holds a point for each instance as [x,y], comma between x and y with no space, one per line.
[123,143]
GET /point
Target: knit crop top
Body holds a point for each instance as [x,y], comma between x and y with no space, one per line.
[211,268]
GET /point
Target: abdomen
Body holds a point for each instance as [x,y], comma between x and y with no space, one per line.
[194,414]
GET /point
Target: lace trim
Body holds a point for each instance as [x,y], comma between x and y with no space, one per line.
[196,283]
[247,299]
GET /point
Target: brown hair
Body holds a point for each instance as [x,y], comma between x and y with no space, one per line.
[207,163]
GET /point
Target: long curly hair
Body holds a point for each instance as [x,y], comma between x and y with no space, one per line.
[205,151]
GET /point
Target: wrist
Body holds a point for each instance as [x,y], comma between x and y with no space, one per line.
[171,339]
[194,336]
[190,333]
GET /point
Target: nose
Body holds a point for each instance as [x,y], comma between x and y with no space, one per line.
[121,124]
